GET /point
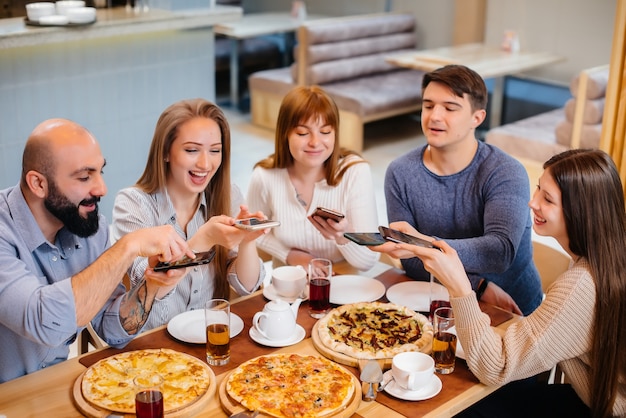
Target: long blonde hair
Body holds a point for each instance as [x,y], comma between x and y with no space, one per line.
[218,190]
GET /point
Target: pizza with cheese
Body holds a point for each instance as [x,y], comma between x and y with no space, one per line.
[291,385]
[374,330]
[109,382]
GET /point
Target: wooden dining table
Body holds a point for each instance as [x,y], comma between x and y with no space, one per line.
[48,392]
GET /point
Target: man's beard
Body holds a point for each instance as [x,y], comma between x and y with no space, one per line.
[67,212]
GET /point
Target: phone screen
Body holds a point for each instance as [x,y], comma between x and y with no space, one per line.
[201,258]
[365,238]
[397,236]
[328,214]
[255,223]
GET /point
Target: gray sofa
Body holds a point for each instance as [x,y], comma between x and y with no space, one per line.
[576,125]
[346,57]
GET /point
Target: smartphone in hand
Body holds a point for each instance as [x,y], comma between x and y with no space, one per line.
[201,258]
[254,224]
[397,236]
[328,214]
[365,238]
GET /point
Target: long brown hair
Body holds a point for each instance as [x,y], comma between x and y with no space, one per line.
[593,208]
[217,192]
[298,106]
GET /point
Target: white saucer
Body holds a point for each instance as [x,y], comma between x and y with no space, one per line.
[297,337]
[189,326]
[270,293]
[431,389]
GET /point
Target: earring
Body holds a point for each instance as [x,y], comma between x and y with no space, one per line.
[166,160]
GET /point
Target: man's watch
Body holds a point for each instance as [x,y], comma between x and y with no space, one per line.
[481,289]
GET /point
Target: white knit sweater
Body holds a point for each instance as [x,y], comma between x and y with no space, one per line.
[559,331]
[272,192]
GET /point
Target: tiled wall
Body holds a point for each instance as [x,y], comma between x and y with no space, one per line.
[115,87]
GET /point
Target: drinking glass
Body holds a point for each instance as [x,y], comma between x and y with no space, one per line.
[438,297]
[217,320]
[444,341]
[148,395]
[320,272]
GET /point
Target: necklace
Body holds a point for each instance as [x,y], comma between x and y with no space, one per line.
[299,198]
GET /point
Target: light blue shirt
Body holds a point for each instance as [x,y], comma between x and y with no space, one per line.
[37,307]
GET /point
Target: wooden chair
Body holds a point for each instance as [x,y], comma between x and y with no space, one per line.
[88,336]
[551,263]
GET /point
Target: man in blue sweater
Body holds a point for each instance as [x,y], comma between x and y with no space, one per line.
[466,192]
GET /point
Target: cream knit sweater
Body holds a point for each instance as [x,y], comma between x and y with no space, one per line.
[560,331]
[272,192]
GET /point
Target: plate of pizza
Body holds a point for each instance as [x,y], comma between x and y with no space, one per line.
[288,385]
[107,386]
[372,330]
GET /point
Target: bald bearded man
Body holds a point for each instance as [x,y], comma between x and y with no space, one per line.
[59,271]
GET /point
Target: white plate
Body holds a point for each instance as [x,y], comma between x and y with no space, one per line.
[353,289]
[297,337]
[431,389]
[270,293]
[415,295]
[189,326]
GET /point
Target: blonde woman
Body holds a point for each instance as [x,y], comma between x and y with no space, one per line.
[186,184]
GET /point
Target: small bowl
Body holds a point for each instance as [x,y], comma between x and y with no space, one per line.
[81,14]
[54,20]
[36,10]
[64,5]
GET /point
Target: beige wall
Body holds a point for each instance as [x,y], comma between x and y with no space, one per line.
[580,30]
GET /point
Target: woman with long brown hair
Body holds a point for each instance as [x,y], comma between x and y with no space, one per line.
[186,183]
[581,324]
[309,169]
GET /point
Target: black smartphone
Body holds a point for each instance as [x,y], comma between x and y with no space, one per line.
[365,238]
[328,214]
[397,236]
[201,258]
[253,224]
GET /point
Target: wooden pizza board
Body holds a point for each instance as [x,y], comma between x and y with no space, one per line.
[231,406]
[192,409]
[346,359]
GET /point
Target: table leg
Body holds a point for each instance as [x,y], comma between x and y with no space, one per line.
[235,46]
[497,99]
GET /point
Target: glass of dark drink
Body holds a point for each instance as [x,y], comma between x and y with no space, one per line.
[444,341]
[148,395]
[439,297]
[217,321]
[320,272]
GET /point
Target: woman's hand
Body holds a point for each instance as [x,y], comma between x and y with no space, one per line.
[330,229]
[162,283]
[443,263]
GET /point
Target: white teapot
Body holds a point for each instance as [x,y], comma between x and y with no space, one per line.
[277,321]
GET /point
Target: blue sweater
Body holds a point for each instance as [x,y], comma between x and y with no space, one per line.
[481,211]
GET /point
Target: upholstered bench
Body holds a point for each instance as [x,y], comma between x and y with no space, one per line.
[346,57]
[576,125]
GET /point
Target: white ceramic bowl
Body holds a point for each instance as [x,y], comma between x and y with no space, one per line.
[54,20]
[64,5]
[36,10]
[81,14]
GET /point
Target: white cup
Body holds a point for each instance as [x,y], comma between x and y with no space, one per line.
[289,281]
[412,370]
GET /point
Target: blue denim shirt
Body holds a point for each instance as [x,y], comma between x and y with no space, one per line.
[37,307]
